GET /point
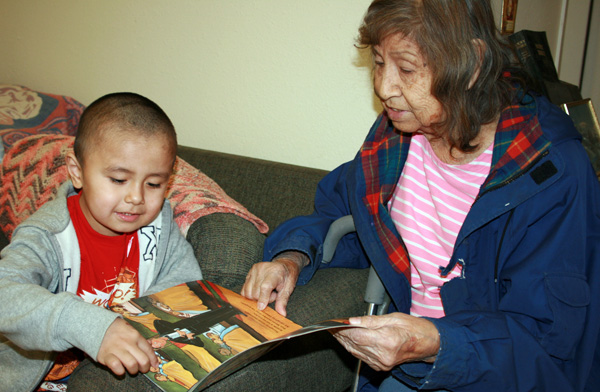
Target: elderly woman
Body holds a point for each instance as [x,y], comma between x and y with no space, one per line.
[474,201]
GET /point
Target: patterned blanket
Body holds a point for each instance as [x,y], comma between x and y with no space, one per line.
[25,112]
[34,168]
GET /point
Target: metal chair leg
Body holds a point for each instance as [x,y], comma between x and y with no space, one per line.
[375,295]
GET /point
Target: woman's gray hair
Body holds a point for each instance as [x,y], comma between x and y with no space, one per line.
[457,38]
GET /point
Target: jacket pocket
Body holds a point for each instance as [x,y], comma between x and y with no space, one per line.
[568,298]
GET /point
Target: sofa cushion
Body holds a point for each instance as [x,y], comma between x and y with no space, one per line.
[34,168]
[273,191]
[25,112]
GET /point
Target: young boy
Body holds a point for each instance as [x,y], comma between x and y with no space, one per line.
[107,237]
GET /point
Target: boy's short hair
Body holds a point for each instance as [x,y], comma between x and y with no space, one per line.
[125,112]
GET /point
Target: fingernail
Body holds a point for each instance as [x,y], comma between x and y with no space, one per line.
[261,306]
[354,320]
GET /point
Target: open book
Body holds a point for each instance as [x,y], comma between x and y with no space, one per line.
[202,332]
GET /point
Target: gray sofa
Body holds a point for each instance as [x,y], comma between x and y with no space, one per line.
[226,247]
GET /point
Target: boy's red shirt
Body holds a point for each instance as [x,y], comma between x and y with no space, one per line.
[108,275]
[109,264]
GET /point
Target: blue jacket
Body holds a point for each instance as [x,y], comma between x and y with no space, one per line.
[525,314]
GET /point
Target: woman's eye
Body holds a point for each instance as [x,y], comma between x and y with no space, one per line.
[152,185]
[377,60]
[117,181]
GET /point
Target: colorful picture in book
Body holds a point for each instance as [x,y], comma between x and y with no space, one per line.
[193,328]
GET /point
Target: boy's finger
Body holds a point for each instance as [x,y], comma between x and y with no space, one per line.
[114,364]
[131,361]
[150,355]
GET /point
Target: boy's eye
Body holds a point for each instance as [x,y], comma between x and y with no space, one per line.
[117,181]
[152,185]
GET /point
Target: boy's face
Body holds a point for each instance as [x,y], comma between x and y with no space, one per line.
[123,181]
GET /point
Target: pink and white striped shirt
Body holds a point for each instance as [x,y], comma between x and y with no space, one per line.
[428,207]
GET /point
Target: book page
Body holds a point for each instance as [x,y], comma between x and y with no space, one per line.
[268,322]
[202,332]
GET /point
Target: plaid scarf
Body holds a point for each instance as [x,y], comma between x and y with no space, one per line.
[517,145]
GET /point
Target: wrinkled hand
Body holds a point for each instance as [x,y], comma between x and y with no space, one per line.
[274,281]
[389,340]
[124,348]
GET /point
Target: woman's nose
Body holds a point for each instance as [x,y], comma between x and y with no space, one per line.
[387,83]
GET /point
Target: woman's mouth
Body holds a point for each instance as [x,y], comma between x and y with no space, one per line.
[395,114]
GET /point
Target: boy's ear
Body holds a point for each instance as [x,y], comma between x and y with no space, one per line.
[480,48]
[74,169]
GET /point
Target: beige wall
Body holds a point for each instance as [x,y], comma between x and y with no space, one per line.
[590,87]
[269,78]
[274,79]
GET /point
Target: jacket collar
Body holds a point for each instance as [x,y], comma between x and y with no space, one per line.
[519,142]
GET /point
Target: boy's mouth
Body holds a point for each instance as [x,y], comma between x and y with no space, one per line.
[127,216]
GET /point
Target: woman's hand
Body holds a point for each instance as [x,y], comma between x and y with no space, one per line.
[275,280]
[387,341]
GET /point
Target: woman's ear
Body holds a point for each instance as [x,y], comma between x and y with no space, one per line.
[480,50]
[74,170]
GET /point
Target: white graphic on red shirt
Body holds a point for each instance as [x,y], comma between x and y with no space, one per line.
[117,291]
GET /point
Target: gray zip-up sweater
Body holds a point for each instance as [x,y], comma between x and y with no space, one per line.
[40,314]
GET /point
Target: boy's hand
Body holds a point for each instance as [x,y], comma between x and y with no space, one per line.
[124,348]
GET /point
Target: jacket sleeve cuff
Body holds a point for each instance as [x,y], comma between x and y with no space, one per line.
[84,326]
[449,367]
[302,244]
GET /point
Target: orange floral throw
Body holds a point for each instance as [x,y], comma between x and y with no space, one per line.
[34,168]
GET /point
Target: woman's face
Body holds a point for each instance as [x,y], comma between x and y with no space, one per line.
[403,84]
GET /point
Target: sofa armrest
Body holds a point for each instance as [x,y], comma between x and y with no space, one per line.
[226,246]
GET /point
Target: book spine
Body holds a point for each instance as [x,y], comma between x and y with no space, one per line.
[529,63]
[542,54]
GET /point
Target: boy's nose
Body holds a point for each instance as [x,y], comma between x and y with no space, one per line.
[135,196]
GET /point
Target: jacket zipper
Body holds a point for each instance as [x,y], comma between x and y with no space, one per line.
[500,245]
[503,184]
